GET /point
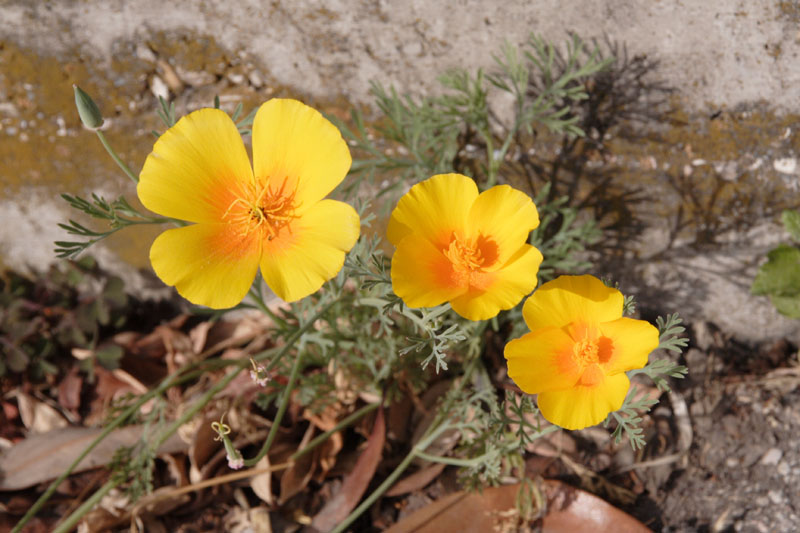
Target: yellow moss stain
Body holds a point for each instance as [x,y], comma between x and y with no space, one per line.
[44,147]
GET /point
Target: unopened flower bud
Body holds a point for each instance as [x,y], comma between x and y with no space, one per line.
[87,109]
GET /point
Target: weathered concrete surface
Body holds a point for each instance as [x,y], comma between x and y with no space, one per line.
[722,52]
[720,56]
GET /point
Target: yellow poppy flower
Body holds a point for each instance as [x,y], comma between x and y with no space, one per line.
[578,350]
[455,245]
[272,214]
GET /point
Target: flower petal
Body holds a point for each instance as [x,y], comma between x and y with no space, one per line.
[300,260]
[506,216]
[632,342]
[497,291]
[294,142]
[422,276]
[197,168]
[580,407]
[209,264]
[542,361]
[569,299]
[434,209]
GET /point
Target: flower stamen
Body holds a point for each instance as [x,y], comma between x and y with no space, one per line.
[464,254]
[267,209]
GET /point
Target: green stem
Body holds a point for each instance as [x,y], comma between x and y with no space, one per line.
[430,435]
[115,157]
[111,427]
[452,461]
[284,403]
[338,427]
[199,404]
[255,294]
[186,374]
[377,493]
[74,518]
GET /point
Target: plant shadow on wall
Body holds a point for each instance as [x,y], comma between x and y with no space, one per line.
[701,181]
[553,129]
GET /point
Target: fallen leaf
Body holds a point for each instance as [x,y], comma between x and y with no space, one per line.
[356,482]
[69,390]
[416,481]
[37,416]
[203,445]
[44,456]
[198,336]
[553,444]
[262,483]
[296,477]
[568,510]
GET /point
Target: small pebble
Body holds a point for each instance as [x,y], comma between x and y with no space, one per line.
[783,468]
[255,79]
[772,457]
[236,79]
[785,165]
[775,496]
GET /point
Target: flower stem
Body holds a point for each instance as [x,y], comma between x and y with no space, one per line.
[284,403]
[72,520]
[115,157]
[377,493]
[111,427]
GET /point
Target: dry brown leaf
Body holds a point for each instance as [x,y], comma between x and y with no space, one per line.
[37,416]
[262,483]
[356,482]
[416,481]
[569,510]
[553,444]
[398,417]
[137,386]
[42,457]
[296,477]
[202,446]
[69,390]
[327,454]
[199,335]
[109,387]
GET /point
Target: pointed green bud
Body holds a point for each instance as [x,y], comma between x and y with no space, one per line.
[87,109]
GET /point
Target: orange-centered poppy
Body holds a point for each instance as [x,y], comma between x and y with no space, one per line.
[578,350]
[272,214]
[455,245]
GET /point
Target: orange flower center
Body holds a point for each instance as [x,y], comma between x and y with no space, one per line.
[264,209]
[469,255]
[589,354]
